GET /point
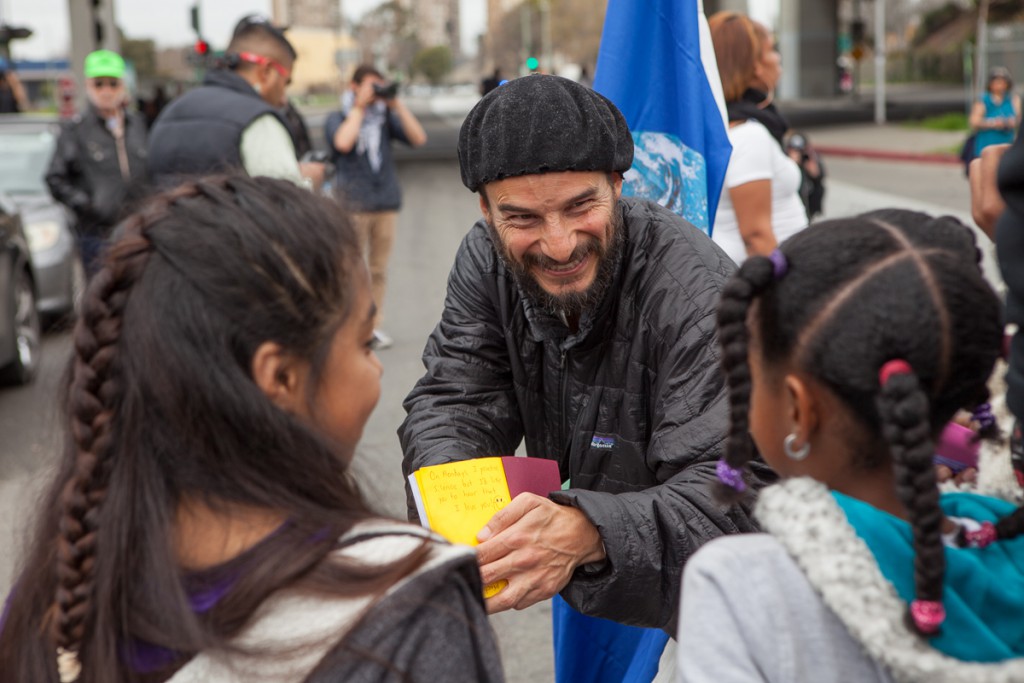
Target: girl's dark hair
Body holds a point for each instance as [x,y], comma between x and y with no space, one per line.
[860,292]
[162,407]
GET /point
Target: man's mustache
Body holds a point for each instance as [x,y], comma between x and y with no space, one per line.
[590,246]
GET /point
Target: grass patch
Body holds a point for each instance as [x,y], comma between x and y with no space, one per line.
[953,150]
[953,121]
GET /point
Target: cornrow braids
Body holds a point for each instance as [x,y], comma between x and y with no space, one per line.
[859,292]
[750,280]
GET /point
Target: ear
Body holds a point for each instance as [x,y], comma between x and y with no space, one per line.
[617,184]
[485,207]
[281,377]
[804,407]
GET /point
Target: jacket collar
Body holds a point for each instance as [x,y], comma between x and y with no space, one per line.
[225,78]
[805,518]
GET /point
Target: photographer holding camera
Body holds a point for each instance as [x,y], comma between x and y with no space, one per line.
[371,116]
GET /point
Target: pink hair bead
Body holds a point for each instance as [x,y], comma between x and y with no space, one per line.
[983,537]
[928,615]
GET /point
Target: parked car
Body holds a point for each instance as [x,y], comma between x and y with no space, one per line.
[26,145]
[20,329]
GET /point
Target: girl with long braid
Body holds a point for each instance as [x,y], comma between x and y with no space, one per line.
[846,353]
[205,524]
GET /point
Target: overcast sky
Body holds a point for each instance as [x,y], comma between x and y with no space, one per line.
[167,21]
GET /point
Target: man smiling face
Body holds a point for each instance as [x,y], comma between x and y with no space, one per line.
[558,233]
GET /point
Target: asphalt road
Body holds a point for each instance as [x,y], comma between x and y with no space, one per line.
[438,211]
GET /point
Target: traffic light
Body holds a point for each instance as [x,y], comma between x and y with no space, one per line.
[202,48]
[532,63]
[857,31]
[194,18]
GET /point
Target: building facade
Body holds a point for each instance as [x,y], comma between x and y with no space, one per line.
[437,23]
[325,49]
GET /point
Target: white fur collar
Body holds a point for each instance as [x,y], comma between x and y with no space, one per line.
[805,518]
[292,630]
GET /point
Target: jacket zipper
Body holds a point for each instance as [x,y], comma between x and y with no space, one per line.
[122,155]
[563,390]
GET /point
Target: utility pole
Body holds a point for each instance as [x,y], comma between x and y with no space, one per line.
[981,50]
[545,35]
[879,61]
[525,22]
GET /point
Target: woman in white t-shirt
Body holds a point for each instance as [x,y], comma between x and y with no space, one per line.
[760,204]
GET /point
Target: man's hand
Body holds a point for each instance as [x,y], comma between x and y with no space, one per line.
[535,545]
[315,171]
[986,202]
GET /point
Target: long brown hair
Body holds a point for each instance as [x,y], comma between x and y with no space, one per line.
[739,43]
[161,406]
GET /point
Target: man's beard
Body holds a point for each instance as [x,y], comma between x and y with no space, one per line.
[569,305]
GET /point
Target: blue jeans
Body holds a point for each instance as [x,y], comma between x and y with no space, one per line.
[91,248]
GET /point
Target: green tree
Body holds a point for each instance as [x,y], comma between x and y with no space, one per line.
[433,62]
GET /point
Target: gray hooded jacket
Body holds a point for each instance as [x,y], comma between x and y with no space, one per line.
[632,407]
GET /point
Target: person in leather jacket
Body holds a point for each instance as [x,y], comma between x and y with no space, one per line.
[99,163]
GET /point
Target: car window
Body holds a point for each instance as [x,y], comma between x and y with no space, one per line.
[23,161]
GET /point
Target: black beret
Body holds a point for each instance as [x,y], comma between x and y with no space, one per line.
[542,124]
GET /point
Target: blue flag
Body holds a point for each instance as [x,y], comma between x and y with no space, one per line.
[657,65]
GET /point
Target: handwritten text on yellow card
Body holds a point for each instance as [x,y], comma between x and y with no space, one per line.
[461,497]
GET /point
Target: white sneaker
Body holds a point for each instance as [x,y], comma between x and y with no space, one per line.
[383,340]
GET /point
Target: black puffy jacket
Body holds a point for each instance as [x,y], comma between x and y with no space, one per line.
[642,373]
[89,174]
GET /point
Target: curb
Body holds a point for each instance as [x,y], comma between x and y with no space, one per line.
[889,155]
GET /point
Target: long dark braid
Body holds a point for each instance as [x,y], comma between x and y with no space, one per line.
[858,293]
[94,392]
[93,396]
[733,336]
[903,408]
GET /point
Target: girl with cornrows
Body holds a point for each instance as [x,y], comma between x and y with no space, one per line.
[846,353]
[205,525]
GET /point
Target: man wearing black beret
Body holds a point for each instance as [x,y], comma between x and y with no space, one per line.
[584,323]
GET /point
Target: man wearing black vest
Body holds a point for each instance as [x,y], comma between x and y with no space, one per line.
[233,121]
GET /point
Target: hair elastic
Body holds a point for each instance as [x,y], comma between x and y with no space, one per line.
[893,367]
[983,537]
[928,615]
[779,263]
[983,416]
[69,667]
[730,476]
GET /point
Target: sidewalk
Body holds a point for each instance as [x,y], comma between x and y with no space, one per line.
[888,141]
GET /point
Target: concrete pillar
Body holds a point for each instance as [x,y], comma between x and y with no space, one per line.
[807,41]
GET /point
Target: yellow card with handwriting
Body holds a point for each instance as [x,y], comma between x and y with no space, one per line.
[457,499]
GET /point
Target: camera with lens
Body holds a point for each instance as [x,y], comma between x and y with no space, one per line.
[385,91]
